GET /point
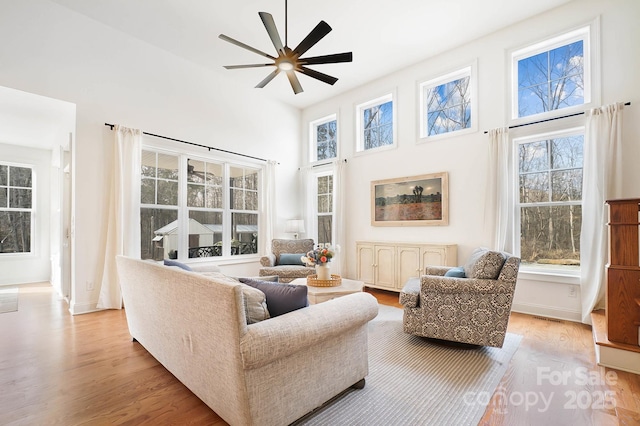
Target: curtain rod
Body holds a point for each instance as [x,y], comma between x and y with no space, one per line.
[548,119]
[194,144]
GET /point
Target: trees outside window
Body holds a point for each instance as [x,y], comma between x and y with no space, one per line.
[376,124]
[550,197]
[324,210]
[16,208]
[552,75]
[447,103]
[324,138]
[220,207]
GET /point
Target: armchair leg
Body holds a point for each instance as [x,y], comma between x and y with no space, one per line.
[359,385]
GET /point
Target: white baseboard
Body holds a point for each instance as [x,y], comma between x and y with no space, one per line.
[619,359]
[83,308]
[547,311]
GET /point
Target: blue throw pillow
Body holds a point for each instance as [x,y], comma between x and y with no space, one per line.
[457,272]
[291,259]
[281,298]
[169,262]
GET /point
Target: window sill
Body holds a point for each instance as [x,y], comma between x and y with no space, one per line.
[555,277]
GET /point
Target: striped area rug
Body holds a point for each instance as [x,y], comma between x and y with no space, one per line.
[414,382]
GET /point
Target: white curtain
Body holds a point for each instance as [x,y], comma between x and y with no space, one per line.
[601,181]
[339,231]
[499,188]
[268,219]
[123,221]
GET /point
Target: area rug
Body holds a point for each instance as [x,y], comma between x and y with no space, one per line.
[413,381]
[8,299]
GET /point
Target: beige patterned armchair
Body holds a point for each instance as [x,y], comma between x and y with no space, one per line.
[284,260]
[473,309]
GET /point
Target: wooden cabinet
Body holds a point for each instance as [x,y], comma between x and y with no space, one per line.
[388,265]
[623,272]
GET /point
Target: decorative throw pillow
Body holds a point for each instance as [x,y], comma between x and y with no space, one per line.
[291,259]
[272,278]
[255,304]
[281,298]
[171,262]
[457,272]
[484,264]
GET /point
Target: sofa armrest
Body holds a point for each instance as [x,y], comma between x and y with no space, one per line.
[268,260]
[278,337]
[432,283]
[437,270]
[410,294]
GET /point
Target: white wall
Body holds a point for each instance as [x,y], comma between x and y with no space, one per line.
[465,157]
[34,266]
[114,78]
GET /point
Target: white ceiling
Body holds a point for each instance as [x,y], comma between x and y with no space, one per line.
[384,36]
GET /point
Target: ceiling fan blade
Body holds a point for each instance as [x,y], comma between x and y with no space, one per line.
[316,34]
[327,59]
[318,75]
[270,25]
[245,46]
[236,67]
[295,83]
[268,78]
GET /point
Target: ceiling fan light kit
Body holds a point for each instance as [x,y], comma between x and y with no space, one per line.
[290,61]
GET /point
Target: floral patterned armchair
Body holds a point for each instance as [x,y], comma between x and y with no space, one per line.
[284,260]
[469,304]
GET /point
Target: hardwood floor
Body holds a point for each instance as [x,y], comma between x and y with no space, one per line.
[58,369]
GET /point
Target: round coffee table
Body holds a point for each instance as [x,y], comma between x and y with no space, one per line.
[322,294]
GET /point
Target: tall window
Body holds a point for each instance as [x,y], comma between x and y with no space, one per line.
[552,75]
[446,104]
[324,138]
[16,208]
[324,212]
[550,196]
[216,216]
[376,123]
[551,79]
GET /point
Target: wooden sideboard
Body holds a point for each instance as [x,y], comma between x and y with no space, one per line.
[388,265]
[623,272]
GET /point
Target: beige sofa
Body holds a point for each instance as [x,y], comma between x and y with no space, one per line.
[268,373]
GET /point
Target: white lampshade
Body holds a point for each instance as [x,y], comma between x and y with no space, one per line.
[295,226]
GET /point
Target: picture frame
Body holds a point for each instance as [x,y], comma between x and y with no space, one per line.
[411,201]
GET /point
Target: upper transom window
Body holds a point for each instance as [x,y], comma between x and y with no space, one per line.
[552,75]
[376,123]
[324,138]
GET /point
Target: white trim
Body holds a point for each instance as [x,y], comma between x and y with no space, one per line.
[547,311]
[619,359]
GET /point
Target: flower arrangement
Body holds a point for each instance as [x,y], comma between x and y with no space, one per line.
[318,256]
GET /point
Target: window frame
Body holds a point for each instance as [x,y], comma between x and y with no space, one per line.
[184,209]
[542,132]
[590,35]
[32,210]
[469,70]
[313,137]
[359,112]
[317,214]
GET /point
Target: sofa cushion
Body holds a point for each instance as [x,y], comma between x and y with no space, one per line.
[281,298]
[291,259]
[255,304]
[484,264]
[171,262]
[457,272]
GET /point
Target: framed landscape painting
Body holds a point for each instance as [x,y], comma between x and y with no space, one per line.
[411,201]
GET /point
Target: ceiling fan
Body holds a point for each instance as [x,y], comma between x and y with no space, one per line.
[290,61]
